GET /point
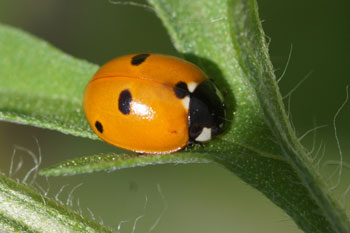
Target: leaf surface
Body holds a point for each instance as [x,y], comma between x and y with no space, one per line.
[225,38]
[23,209]
[40,85]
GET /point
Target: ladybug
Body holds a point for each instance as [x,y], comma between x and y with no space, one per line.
[153,103]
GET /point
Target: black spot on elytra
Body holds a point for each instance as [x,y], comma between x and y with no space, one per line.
[181,90]
[99,126]
[124,101]
[138,59]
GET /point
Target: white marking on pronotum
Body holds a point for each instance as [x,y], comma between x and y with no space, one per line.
[186,102]
[205,135]
[192,86]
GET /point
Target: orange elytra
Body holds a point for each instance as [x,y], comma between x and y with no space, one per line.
[153,103]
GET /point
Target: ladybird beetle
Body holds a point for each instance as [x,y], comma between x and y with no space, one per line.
[153,103]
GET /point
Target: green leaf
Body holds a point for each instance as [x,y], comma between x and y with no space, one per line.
[112,162]
[225,38]
[22,209]
[40,85]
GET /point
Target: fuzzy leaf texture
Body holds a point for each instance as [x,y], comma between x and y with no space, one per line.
[23,209]
[224,38]
[41,86]
[112,162]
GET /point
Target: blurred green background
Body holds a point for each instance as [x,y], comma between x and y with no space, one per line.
[197,198]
